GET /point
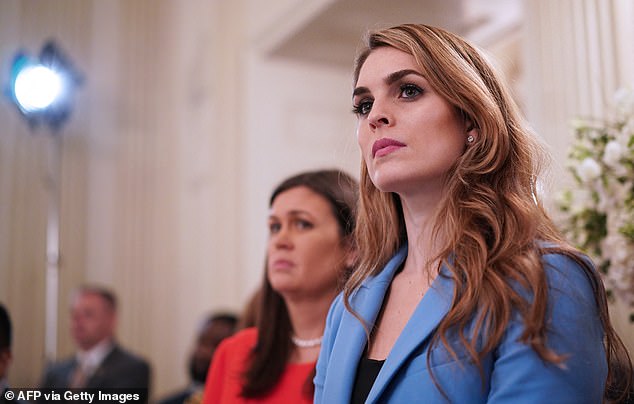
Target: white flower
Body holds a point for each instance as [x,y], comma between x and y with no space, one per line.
[627,129]
[605,201]
[624,100]
[588,170]
[616,247]
[598,208]
[612,153]
[581,200]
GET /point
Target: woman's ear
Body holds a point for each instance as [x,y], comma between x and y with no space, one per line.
[352,254]
[471,132]
[351,258]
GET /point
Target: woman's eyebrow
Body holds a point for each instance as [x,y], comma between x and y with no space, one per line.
[360,90]
[389,80]
[292,213]
[393,77]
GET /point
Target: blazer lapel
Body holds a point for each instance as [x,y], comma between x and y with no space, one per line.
[419,328]
[351,336]
[68,372]
[99,376]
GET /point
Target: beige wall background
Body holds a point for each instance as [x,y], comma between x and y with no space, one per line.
[192,110]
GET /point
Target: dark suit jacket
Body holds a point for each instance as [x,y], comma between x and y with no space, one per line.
[178,397]
[119,369]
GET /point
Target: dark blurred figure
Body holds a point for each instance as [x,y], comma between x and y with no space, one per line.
[100,362]
[216,328]
[5,350]
[6,356]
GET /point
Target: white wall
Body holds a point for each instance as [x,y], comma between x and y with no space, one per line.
[299,118]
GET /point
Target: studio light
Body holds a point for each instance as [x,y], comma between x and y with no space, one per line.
[37,87]
[42,88]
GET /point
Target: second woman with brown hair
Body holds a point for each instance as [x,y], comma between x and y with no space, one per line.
[310,253]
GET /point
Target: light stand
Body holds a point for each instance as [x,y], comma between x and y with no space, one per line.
[42,90]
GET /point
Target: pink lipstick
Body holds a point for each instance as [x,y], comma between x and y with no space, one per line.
[385,146]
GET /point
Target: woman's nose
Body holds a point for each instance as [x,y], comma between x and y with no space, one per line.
[283,238]
[379,115]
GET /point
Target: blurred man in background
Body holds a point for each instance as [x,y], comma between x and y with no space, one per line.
[100,362]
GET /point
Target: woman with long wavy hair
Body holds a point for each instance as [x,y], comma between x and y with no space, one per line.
[309,255]
[465,291]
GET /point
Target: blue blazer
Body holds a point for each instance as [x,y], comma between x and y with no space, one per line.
[513,372]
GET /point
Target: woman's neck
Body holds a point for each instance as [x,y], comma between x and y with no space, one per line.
[419,215]
[308,319]
[308,315]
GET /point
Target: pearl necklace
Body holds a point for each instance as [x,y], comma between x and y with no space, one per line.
[306,343]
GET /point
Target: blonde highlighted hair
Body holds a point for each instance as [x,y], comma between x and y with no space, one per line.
[491,217]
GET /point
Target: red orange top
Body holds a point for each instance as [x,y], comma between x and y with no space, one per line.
[224,381]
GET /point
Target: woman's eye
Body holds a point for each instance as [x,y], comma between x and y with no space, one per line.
[362,108]
[410,91]
[274,228]
[303,224]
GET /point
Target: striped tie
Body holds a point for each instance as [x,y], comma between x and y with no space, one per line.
[78,379]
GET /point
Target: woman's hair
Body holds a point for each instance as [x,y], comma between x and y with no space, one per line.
[274,347]
[490,217]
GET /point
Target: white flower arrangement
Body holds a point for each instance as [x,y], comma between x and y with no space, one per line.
[598,211]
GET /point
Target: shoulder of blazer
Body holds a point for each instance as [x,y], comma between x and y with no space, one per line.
[121,356]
